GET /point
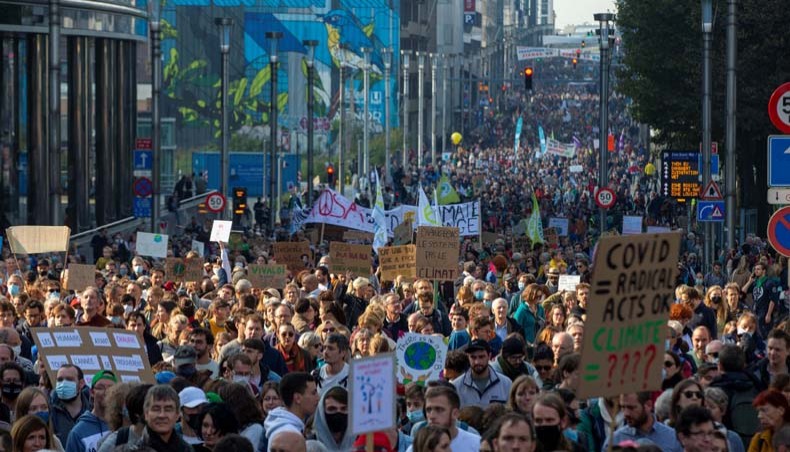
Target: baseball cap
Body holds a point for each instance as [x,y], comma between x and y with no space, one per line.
[192,397]
[103,375]
[185,354]
[478,345]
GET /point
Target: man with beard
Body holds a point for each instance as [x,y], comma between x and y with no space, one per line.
[202,341]
[331,421]
[92,425]
[481,385]
[69,400]
[640,422]
[441,410]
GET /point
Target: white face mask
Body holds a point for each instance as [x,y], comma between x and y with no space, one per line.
[127,308]
[241,379]
[17,350]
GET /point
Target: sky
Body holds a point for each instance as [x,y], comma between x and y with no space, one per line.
[576,12]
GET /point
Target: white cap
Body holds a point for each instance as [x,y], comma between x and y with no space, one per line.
[192,397]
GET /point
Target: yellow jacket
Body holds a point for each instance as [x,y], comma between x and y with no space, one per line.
[761,442]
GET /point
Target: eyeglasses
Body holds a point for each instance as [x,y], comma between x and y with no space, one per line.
[329,330]
[287,334]
[669,363]
[692,394]
[543,368]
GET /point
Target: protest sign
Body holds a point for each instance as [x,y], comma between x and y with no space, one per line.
[490,238]
[199,248]
[220,231]
[632,225]
[398,260]
[403,233]
[420,358]
[632,290]
[465,217]
[38,239]
[290,254]
[313,235]
[80,276]
[193,269]
[265,276]
[568,282]
[437,253]
[522,244]
[93,349]
[657,229]
[357,237]
[174,269]
[551,237]
[350,258]
[372,394]
[560,225]
[154,245]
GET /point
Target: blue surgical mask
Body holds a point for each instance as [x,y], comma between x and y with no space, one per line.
[415,416]
[479,294]
[54,295]
[668,345]
[489,304]
[124,271]
[43,415]
[66,390]
[521,285]
[13,290]
[138,269]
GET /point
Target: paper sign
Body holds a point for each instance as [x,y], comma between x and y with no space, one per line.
[632,290]
[174,269]
[403,233]
[67,339]
[100,339]
[398,261]
[290,254]
[568,282]
[80,276]
[357,237]
[657,229]
[193,269]
[350,258]
[372,394]
[632,225]
[154,245]
[126,340]
[45,339]
[220,231]
[420,358]
[266,276]
[38,239]
[437,253]
[86,362]
[199,247]
[56,362]
[551,237]
[560,225]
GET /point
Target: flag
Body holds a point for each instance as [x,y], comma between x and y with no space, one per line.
[577,142]
[517,141]
[446,192]
[542,137]
[535,224]
[426,216]
[379,219]
[621,141]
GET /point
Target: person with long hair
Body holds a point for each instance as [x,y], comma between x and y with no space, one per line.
[550,416]
[33,401]
[216,421]
[296,359]
[685,394]
[30,434]
[714,299]
[270,397]
[247,411]
[523,393]
[773,411]
[432,438]
[672,370]
[530,315]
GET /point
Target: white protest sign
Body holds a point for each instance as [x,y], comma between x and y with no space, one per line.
[560,224]
[420,357]
[568,282]
[372,394]
[199,247]
[154,245]
[632,225]
[658,229]
[220,231]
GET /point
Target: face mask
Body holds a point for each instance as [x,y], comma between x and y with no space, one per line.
[66,390]
[337,422]
[127,308]
[138,269]
[320,362]
[194,422]
[13,290]
[216,270]
[43,274]
[715,300]
[479,294]
[667,345]
[43,415]
[17,349]
[241,379]
[488,304]
[548,435]
[663,374]
[124,271]
[54,295]
[741,331]
[415,416]
[116,320]
[12,390]
[698,282]
[521,285]
[187,370]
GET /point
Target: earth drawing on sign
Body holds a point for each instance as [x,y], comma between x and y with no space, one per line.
[420,356]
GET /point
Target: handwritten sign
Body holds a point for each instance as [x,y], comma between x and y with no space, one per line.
[193,269]
[290,254]
[568,283]
[397,261]
[372,394]
[220,231]
[199,248]
[632,225]
[420,358]
[265,276]
[560,225]
[437,253]
[174,268]
[351,258]
[80,276]
[357,237]
[632,290]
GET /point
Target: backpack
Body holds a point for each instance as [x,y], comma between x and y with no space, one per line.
[742,414]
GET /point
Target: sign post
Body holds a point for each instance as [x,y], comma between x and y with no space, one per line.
[680,174]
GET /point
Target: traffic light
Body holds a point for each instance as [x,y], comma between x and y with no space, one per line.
[574,62]
[330,175]
[528,78]
[239,200]
[583,43]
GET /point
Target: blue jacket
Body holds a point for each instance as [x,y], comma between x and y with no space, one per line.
[62,422]
[86,434]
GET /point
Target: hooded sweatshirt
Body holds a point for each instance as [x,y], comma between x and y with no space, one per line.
[324,435]
[281,420]
[62,422]
[86,434]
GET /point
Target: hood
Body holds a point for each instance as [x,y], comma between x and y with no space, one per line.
[57,404]
[323,434]
[282,419]
[734,381]
[89,418]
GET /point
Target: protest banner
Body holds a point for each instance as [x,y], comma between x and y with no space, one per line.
[153,245]
[92,350]
[632,225]
[79,276]
[420,358]
[465,217]
[560,224]
[404,233]
[290,254]
[632,290]
[265,276]
[350,258]
[357,237]
[437,253]
[398,260]
[220,231]
[174,269]
[193,269]
[372,394]
[38,239]
[568,282]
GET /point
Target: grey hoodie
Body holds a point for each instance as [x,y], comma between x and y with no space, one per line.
[281,420]
[323,435]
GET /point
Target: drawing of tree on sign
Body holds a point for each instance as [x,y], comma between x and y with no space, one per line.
[372,394]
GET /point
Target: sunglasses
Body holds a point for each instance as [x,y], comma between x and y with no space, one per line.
[668,363]
[692,394]
[543,368]
[329,330]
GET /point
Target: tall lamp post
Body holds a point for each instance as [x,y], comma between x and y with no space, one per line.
[707,37]
[386,55]
[224,24]
[732,49]
[603,170]
[405,54]
[445,57]
[55,19]
[420,101]
[366,120]
[156,125]
[310,44]
[434,63]
[273,37]
[341,61]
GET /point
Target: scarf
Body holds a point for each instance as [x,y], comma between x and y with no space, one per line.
[509,370]
[758,283]
[294,359]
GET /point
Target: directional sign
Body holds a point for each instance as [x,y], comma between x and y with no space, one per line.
[779,108]
[143,187]
[605,198]
[143,160]
[711,211]
[142,207]
[779,160]
[711,192]
[779,196]
[680,174]
[779,231]
[714,166]
[215,202]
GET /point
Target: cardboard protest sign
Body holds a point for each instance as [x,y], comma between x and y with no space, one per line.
[220,231]
[551,237]
[437,253]
[632,290]
[398,261]
[490,238]
[265,276]
[371,392]
[290,254]
[154,245]
[38,239]
[80,276]
[403,233]
[357,236]
[420,358]
[313,235]
[568,283]
[193,269]
[350,258]
[94,349]
[174,269]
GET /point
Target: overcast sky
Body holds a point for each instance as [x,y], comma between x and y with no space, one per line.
[576,12]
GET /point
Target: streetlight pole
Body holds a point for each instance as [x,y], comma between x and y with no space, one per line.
[603,170]
[732,49]
[341,60]
[420,101]
[433,57]
[405,54]
[387,55]
[156,126]
[707,37]
[273,37]
[224,25]
[54,111]
[444,102]
[366,119]
[310,44]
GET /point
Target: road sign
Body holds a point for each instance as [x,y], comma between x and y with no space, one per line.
[779,231]
[714,166]
[711,211]
[779,159]
[144,143]
[605,198]
[143,160]
[680,173]
[779,196]
[215,202]
[711,192]
[143,187]
[779,108]
[142,207]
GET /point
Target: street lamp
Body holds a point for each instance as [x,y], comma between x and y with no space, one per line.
[603,169]
[434,61]
[405,54]
[445,58]
[386,55]
[273,37]
[365,176]
[310,44]
[707,37]
[341,61]
[420,101]
[224,24]
[156,126]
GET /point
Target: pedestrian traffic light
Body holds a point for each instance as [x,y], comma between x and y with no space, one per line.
[528,78]
[330,174]
[239,200]
[574,62]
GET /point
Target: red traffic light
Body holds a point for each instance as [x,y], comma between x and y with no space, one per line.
[575,61]
[528,72]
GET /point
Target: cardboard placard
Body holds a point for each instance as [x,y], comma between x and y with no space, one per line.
[38,239]
[94,349]
[193,269]
[174,269]
[551,237]
[404,233]
[522,244]
[372,394]
[357,236]
[632,290]
[265,276]
[437,253]
[350,258]
[397,261]
[79,276]
[154,245]
[313,235]
[490,238]
[220,231]
[290,254]
[568,283]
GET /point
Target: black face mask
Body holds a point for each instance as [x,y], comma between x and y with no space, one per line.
[548,436]
[337,422]
[193,422]
[186,371]
[12,390]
